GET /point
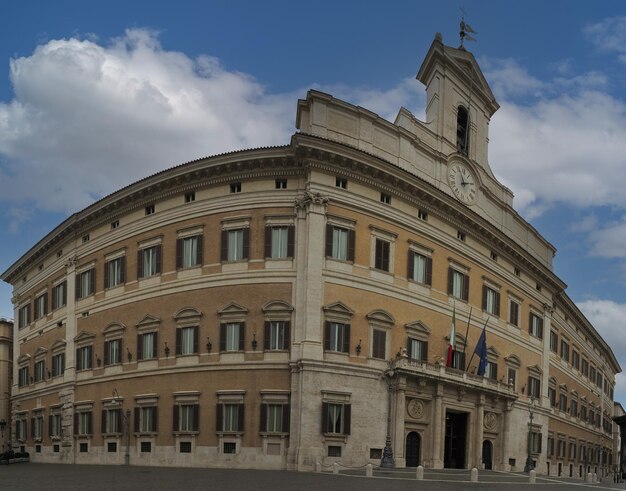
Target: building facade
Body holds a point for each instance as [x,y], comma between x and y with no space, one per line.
[282,306]
[6,376]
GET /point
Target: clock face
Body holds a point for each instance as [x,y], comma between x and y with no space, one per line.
[462,182]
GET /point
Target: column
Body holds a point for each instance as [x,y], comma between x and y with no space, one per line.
[438,428]
[505,436]
[398,420]
[478,428]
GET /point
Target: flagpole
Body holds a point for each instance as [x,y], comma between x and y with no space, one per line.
[467,334]
[474,352]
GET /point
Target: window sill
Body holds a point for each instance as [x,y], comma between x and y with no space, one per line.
[277,434]
[146,434]
[335,437]
[186,433]
[229,433]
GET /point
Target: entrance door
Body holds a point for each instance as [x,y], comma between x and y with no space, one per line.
[413,444]
[487,454]
[456,431]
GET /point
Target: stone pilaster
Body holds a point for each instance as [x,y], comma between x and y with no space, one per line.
[478,436]
[506,436]
[438,428]
[400,411]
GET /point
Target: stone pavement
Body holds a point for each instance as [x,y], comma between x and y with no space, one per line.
[55,477]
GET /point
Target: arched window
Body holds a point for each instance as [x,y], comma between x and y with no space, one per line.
[462,130]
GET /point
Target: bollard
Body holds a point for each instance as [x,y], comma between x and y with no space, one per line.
[368,470]
[474,474]
[318,466]
[532,476]
[589,478]
[335,468]
[595,477]
[419,473]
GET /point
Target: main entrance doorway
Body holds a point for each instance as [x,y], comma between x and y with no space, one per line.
[413,444]
[456,431]
[487,454]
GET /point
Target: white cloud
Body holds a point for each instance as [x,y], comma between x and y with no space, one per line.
[507,78]
[609,240]
[609,35]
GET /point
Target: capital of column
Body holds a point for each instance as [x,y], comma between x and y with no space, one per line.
[311,201]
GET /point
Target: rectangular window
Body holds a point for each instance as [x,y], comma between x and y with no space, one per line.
[583,412]
[341,182]
[115,224]
[379,344]
[112,447]
[512,377]
[230,447]
[83,358]
[574,408]
[24,316]
[337,337]
[54,425]
[458,284]
[82,422]
[41,306]
[20,429]
[190,197]
[231,417]
[59,295]
[150,209]
[235,244]
[491,371]
[279,241]
[187,340]
[491,301]
[189,252]
[58,364]
[385,198]
[534,387]
[37,427]
[535,442]
[564,350]
[554,342]
[552,396]
[114,272]
[232,336]
[563,402]
[187,417]
[422,215]
[112,352]
[381,256]
[23,377]
[561,449]
[585,367]
[147,346]
[235,187]
[85,283]
[277,335]
[420,268]
[40,370]
[111,421]
[146,447]
[147,419]
[592,373]
[340,243]
[149,261]
[336,418]
[418,350]
[281,183]
[458,360]
[185,447]
[535,326]
[274,418]
[514,313]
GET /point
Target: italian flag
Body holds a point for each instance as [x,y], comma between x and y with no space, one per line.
[452,345]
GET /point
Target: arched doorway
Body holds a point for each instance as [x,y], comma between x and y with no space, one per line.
[488,455]
[413,445]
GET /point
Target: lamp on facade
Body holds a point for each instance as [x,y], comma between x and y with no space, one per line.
[529,460]
[117,401]
[387,460]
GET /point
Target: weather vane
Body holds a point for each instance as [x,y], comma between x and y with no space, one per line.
[465,30]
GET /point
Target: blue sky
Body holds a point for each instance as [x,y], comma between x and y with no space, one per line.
[96,95]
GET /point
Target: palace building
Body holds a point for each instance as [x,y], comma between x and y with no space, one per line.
[283,306]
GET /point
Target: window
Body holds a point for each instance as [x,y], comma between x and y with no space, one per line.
[41,306]
[599,380]
[560,453]
[186,417]
[232,335]
[340,243]
[583,412]
[149,261]
[422,215]
[564,350]
[189,251]
[534,387]
[146,447]
[511,375]
[554,341]
[418,349]
[334,450]
[379,344]
[563,402]
[40,370]
[84,357]
[115,224]
[517,272]
[59,295]
[385,198]
[491,301]
[187,340]
[585,367]
[112,352]
[85,238]
[493,256]
[111,421]
[341,182]
[24,316]
[592,374]
[150,209]
[281,183]
[112,447]
[229,417]
[462,130]
[54,425]
[535,326]
[147,347]
[460,235]
[85,283]
[420,268]
[114,272]
[279,241]
[274,418]
[37,427]
[20,429]
[235,187]
[572,451]
[552,396]
[514,313]
[574,408]
[337,337]
[458,359]
[190,197]
[458,284]
[58,364]
[535,442]
[381,257]
[276,336]
[550,449]
[230,447]
[336,418]
[82,423]
[491,370]
[235,244]
[146,419]
[23,377]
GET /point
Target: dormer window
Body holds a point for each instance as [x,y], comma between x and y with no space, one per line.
[462,130]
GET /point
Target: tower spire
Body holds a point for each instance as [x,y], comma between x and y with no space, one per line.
[465,31]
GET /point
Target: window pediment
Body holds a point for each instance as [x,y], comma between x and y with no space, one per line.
[418,327]
[188,316]
[338,312]
[492,352]
[277,306]
[41,351]
[149,321]
[23,359]
[58,345]
[380,317]
[232,308]
[513,361]
[84,337]
[114,328]
[552,382]
[535,370]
